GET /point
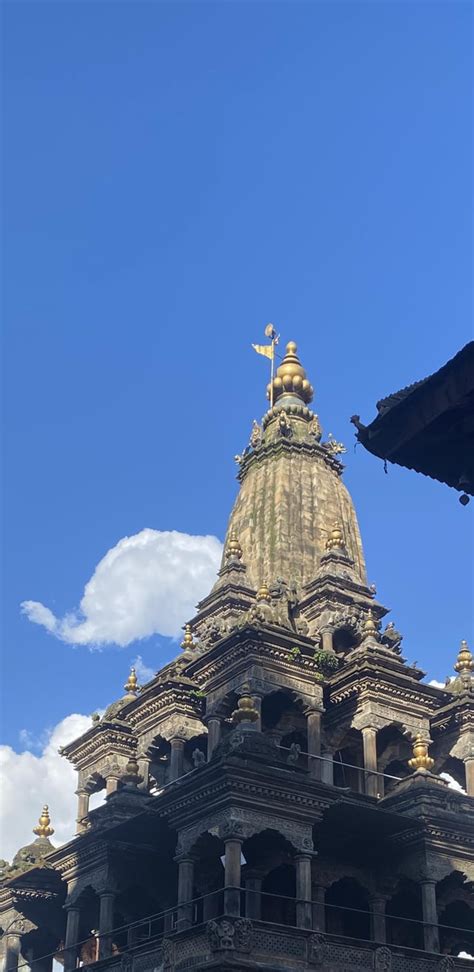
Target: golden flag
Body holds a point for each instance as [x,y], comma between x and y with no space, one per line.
[267,350]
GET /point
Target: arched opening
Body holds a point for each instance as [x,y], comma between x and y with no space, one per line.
[196,743]
[405,916]
[394,751]
[394,769]
[279,894]
[208,853]
[89,905]
[284,721]
[347,760]
[456,914]
[344,640]
[347,909]
[454,769]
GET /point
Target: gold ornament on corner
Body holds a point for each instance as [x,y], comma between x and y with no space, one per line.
[44,829]
[420,759]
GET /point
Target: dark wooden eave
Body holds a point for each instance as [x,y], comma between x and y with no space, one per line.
[429,426]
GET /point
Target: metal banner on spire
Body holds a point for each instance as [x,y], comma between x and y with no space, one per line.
[268,351]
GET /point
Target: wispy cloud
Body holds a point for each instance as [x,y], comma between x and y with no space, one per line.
[147,584]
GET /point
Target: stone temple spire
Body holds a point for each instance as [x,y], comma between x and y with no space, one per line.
[291,488]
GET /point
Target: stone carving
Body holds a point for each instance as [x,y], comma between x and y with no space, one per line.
[317,949]
[255,435]
[392,638]
[446,963]
[294,754]
[284,426]
[383,959]
[212,631]
[198,757]
[314,428]
[334,447]
[168,954]
[227,935]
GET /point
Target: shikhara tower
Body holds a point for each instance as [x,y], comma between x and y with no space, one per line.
[273,795]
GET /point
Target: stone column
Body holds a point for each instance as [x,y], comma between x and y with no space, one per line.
[106,923]
[213,735]
[253,896]
[185,892]
[430,916]
[176,758]
[144,768]
[327,642]
[377,919]
[369,737]
[303,891]
[71,939]
[327,767]
[111,784]
[313,722]
[469,767]
[82,810]
[12,952]
[319,908]
[233,850]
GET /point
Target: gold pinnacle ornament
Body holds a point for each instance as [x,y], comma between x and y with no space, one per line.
[370,627]
[335,540]
[263,594]
[420,759]
[245,711]
[43,829]
[187,642]
[131,685]
[233,549]
[465,661]
[290,378]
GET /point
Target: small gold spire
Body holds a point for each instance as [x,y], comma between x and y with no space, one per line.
[233,548]
[131,685]
[370,627]
[187,642]
[290,378]
[263,594]
[335,540]
[465,661]
[420,759]
[43,829]
[245,711]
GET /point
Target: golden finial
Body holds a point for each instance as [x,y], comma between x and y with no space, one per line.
[290,378]
[187,641]
[420,759]
[131,685]
[369,627]
[43,829]
[263,594]
[465,661]
[245,711]
[335,540]
[233,549]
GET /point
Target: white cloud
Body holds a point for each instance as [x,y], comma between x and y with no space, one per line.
[465,955]
[147,584]
[436,684]
[452,782]
[27,781]
[144,672]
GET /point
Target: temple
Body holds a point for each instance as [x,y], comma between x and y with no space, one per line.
[276,796]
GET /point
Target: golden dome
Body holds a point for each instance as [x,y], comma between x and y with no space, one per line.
[188,641]
[420,759]
[245,711]
[464,662]
[335,540]
[233,550]
[263,594]
[291,378]
[131,685]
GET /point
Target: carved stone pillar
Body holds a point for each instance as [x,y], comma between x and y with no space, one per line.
[144,769]
[233,851]
[71,939]
[257,701]
[176,758]
[377,919]
[313,722]
[430,916]
[319,908]
[369,738]
[106,923]
[253,896]
[12,952]
[185,892]
[111,784]
[83,797]
[469,767]
[327,767]
[327,639]
[213,735]
[303,891]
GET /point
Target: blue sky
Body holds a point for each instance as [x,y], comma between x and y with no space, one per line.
[176,176]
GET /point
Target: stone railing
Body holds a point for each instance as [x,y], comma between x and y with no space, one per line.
[281,947]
